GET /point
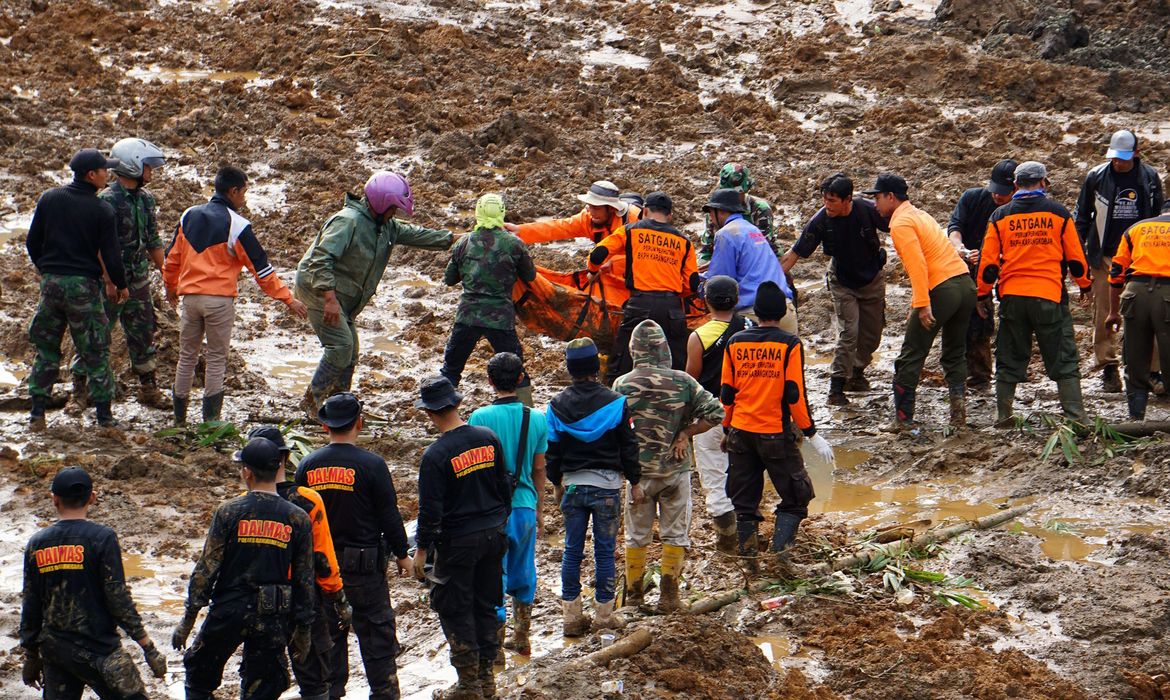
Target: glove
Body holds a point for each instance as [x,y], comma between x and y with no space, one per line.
[30,673]
[155,660]
[342,609]
[301,642]
[183,630]
[824,449]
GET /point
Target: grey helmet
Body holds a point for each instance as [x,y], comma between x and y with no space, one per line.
[135,153]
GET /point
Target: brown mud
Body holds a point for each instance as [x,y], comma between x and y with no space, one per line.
[536,98]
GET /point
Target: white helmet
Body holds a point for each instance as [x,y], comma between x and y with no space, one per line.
[135,153]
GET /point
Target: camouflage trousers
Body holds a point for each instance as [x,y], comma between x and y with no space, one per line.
[69,668]
[73,302]
[138,324]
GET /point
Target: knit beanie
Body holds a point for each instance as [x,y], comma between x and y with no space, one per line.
[770,302]
[581,357]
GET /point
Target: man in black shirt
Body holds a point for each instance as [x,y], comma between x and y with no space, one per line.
[363,512]
[75,599]
[73,242]
[847,228]
[966,229]
[464,499]
[256,572]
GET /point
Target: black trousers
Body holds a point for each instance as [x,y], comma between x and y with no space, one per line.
[264,669]
[663,308]
[471,567]
[377,635]
[750,456]
[313,673]
[462,342]
[70,668]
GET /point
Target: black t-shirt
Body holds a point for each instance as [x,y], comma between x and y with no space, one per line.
[972,212]
[851,241]
[1126,203]
[463,486]
[359,497]
[75,588]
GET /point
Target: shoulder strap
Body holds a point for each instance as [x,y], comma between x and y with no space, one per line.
[523,443]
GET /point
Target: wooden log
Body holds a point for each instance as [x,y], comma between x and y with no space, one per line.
[1140,429]
[626,647]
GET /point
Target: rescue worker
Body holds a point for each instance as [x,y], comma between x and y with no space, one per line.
[742,253]
[142,248]
[464,496]
[212,244]
[488,262]
[966,229]
[668,407]
[705,348]
[736,176]
[1114,196]
[256,571]
[942,298]
[366,525]
[1142,267]
[592,448]
[1029,245]
[73,243]
[847,227]
[74,600]
[523,435]
[633,198]
[763,392]
[312,673]
[660,272]
[603,214]
[339,273]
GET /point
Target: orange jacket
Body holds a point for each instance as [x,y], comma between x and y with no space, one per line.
[579,225]
[1029,244]
[659,258]
[212,244]
[1144,250]
[325,565]
[763,382]
[926,252]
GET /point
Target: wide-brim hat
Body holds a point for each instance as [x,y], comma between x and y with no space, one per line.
[339,410]
[604,193]
[725,199]
[437,394]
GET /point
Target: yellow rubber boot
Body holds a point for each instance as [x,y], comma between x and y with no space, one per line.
[635,571]
[672,564]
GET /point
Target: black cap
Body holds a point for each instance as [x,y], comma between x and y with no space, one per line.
[72,482]
[88,159]
[270,432]
[1003,178]
[260,454]
[771,304]
[659,201]
[437,393]
[727,200]
[888,183]
[339,410]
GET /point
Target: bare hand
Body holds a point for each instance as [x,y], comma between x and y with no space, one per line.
[511,228]
[173,298]
[420,562]
[539,524]
[637,495]
[559,494]
[299,310]
[925,317]
[123,295]
[985,308]
[404,566]
[332,311]
[678,449]
[111,291]
[1113,322]
[972,257]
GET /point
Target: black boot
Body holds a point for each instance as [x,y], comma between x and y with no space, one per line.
[837,395]
[1137,401]
[36,416]
[105,417]
[487,679]
[180,405]
[212,406]
[785,532]
[1111,380]
[958,401]
[746,530]
[904,400]
[857,382]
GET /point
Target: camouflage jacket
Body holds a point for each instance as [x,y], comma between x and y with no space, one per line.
[258,539]
[75,588]
[759,213]
[662,402]
[488,262]
[137,223]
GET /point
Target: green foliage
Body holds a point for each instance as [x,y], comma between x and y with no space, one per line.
[217,434]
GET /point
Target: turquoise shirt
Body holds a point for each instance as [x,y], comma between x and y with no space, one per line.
[503,418]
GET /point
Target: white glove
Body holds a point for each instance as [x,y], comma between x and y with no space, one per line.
[824,449]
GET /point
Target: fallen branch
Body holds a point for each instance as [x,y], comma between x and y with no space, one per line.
[628,646]
[1141,429]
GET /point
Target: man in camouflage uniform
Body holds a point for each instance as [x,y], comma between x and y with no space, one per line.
[736,176]
[75,599]
[134,212]
[668,407]
[488,262]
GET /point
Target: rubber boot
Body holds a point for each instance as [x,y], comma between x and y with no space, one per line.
[466,688]
[606,618]
[672,565]
[345,381]
[212,407]
[487,679]
[180,406]
[148,393]
[1071,403]
[524,393]
[325,383]
[635,574]
[857,382]
[1157,385]
[1005,399]
[785,532]
[958,399]
[36,415]
[837,395]
[904,400]
[79,399]
[1111,380]
[1137,401]
[745,531]
[501,638]
[725,533]
[576,623]
[521,624]
[105,417]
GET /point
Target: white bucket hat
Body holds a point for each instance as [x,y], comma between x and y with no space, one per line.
[604,193]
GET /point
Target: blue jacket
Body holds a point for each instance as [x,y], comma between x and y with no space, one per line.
[743,254]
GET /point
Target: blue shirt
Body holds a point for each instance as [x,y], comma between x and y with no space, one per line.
[743,254]
[503,418]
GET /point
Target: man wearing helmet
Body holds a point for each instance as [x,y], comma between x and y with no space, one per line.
[736,176]
[142,248]
[340,272]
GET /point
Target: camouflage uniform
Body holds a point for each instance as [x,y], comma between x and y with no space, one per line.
[488,262]
[75,302]
[735,176]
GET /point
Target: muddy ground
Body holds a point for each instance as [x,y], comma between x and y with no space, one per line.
[535,98]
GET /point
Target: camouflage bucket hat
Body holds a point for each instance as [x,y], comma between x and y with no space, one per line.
[735,176]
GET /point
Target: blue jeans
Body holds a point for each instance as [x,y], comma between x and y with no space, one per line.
[605,505]
[520,560]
